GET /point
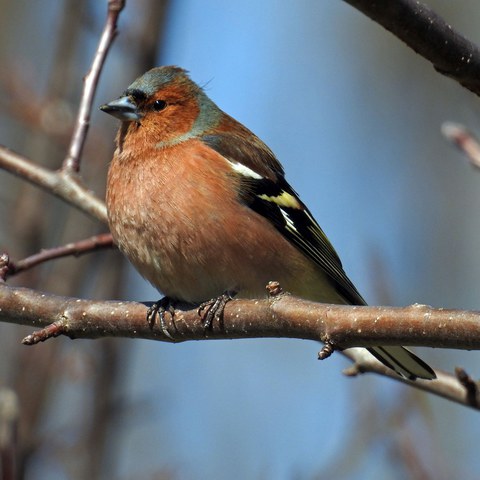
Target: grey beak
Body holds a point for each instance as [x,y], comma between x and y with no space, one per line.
[124,108]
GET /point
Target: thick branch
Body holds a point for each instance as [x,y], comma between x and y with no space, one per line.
[429,35]
[282,316]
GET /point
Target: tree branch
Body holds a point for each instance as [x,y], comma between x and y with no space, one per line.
[343,326]
[63,184]
[72,160]
[281,317]
[464,140]
[429,35]
[9,268]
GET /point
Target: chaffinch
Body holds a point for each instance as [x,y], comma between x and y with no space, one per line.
[200,206]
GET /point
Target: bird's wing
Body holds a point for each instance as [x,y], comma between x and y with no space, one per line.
[264,189]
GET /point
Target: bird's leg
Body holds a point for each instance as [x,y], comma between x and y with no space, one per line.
[214,308]
[163,305]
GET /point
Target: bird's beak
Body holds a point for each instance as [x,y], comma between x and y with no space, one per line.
[124,108]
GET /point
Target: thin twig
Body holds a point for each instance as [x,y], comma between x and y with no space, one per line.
[471,387]
[72,160]
[81,247]
[446,385]
[464,140]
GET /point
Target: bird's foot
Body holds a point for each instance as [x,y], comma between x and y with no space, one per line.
[214,308]
[159,308]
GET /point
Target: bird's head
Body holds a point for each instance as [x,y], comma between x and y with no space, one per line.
[167,104]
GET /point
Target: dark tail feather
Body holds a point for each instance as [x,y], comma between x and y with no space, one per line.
[403,361]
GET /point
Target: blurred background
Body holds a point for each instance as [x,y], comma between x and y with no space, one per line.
[355,117]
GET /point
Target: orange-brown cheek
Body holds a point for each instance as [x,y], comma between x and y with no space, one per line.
[180,121]
[175,121]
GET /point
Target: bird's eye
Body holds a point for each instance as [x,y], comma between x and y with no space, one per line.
[159,105]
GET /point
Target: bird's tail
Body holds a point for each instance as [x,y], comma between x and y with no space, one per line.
[403,361]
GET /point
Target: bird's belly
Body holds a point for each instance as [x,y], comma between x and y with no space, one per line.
[194,264]
[168,221]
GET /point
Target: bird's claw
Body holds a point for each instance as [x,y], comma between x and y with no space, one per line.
[159,308]
[214,308]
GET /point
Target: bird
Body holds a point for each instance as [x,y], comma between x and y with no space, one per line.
[201,208]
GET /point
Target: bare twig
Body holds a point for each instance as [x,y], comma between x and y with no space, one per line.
[65,183]
[446,385]
[464,140]
[429,35]
[72,160]
[4,266]
[81,247]
[282,316]
[68,187]
[471,387]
